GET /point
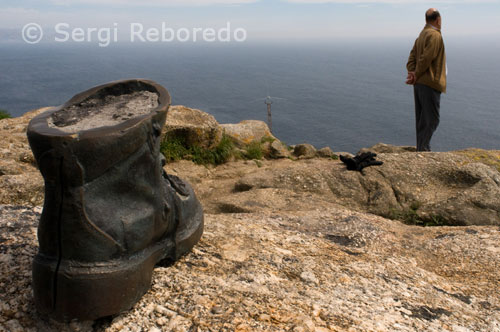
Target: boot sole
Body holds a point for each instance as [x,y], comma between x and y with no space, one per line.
[87,291]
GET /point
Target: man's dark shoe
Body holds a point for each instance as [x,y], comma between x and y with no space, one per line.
[110,211]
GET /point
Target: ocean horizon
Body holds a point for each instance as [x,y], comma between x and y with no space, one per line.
[343,94]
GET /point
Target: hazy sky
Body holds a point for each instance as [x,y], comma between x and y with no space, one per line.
[264,19]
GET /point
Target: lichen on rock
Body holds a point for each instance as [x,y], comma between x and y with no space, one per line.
[247,131]
[193,127]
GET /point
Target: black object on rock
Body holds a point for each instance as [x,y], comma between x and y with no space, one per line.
[110,211]
[360,161]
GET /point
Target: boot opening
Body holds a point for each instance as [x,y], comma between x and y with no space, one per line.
[106,107]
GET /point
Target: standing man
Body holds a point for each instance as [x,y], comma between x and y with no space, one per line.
[427,73]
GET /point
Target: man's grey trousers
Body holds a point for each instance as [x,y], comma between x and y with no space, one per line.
[427,104]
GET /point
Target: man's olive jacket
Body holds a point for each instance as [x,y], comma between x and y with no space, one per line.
[428,59]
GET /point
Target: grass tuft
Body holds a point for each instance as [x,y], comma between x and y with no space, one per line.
[4,114]
[175,148]
[254,151]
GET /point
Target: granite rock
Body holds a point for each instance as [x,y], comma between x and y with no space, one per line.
[328,269]
[247,131]
[304,252]
[193,127]
[305,151]
[325,152]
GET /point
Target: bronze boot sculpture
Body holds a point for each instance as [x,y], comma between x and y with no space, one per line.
[110,211]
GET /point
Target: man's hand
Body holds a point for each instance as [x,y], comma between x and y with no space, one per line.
[411,78]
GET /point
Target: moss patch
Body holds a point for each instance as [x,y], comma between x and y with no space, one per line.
[267,139]
[488,157]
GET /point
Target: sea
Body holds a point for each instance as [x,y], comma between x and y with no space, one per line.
[345,94]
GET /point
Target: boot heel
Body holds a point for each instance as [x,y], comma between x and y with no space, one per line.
[86,291]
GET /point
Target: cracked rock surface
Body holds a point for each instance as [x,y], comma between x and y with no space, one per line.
[326,270]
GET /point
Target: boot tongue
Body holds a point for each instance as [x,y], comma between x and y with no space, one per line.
[104,110]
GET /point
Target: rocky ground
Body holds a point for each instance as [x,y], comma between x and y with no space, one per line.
[327,270]
[447,187]
[295,246]
[455,188]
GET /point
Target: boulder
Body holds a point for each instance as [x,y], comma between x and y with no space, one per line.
[387,148]
[193,127]
[304,151]
[247,131]
[325,152]
[278,149]
[345,154]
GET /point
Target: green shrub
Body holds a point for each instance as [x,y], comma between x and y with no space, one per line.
[224,150]
[175,148]
[254,151]
[4,114]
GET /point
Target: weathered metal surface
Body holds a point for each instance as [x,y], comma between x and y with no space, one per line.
[110,211]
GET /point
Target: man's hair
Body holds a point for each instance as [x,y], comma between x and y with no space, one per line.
[431,17]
